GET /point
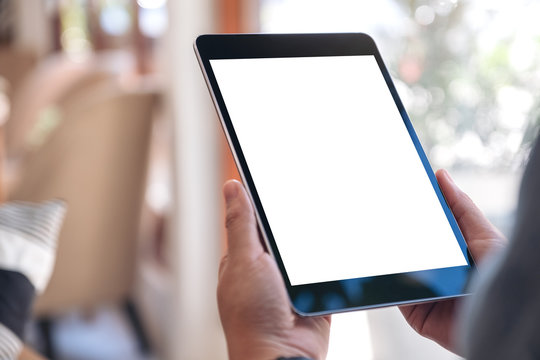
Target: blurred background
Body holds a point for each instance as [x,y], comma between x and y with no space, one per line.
[102,103]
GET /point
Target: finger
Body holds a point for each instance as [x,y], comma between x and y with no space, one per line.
[242,235]
[472,222]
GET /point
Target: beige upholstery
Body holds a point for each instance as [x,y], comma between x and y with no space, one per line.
[53,82]
[15,64]
[96,160]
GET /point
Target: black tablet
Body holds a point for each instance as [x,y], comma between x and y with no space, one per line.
[345,197]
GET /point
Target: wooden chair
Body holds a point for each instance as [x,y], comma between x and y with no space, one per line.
[15,64]
[96,160]
[54,79]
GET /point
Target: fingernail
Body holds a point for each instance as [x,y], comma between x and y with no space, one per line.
[230,190]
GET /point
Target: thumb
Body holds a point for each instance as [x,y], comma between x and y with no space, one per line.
[478,231]
[242,235]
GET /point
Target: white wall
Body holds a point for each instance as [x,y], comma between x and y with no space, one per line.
[195,331]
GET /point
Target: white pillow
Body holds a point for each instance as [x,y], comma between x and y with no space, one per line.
[28,238]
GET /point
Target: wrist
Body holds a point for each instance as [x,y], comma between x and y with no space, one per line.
[268,350]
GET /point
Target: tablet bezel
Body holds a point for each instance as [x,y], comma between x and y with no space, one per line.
[347,294]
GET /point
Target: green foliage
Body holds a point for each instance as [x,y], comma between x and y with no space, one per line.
[473,99]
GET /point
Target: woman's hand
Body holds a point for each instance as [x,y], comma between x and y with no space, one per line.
[253,304]
[436,320]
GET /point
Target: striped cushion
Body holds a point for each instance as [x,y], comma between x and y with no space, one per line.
[10,345]
[28,237]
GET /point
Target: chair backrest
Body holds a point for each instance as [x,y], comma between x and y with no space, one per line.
[52,82]
[96,160]
[15,64]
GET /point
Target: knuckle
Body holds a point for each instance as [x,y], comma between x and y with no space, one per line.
[236,216]
[232,217]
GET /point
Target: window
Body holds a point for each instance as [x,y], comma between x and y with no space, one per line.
[467,73]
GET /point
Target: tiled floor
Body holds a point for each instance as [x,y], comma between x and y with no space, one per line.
[106,335]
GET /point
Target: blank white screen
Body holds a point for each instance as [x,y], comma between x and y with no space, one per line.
[341,183]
